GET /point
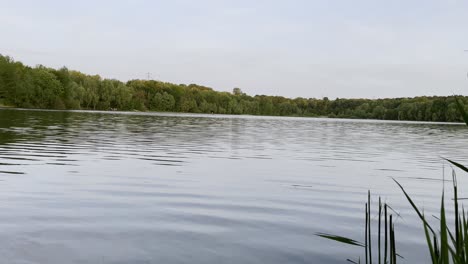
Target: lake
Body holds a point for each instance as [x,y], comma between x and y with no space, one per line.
[113,187]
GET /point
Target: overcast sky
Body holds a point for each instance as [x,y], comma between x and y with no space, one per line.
[293,48]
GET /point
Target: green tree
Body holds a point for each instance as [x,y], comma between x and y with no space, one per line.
[42,87]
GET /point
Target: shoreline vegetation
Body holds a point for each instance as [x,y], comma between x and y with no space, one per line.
[41,87]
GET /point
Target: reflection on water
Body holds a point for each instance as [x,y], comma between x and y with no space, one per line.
[81,187]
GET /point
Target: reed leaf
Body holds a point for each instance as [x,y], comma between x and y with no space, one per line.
[444,246]
[369,226]
[414,206]
[458,165]
[378,243]
[366,246]
[340,239]
[429,244]
[386,236]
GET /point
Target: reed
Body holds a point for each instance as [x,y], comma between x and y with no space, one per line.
[445,246]
[384,251]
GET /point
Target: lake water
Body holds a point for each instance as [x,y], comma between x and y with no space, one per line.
[94,187]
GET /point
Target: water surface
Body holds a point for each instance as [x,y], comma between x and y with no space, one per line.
[94,187]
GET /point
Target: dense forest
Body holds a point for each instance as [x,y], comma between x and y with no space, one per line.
[42,87]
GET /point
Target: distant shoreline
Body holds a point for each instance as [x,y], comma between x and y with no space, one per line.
[40,87]
[155,113]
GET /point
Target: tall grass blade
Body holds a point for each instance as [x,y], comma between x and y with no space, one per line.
[414,206]
[465,240]
[458,244]
[365,238]
[369,225]
[378,243]
[458,165]
[394,244]
[455,258]
[429,244]
[340,239]
[386,235]
[392,260]
[444,246]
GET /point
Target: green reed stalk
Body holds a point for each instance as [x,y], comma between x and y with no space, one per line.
[365,237]
[386,235]
[369,226]
[380,214]
[386,249]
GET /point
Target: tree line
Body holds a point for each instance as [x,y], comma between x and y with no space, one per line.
[42,87]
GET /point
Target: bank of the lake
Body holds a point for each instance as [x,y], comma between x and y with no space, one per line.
[46,88]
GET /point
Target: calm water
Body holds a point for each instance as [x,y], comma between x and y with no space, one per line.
[81,187]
